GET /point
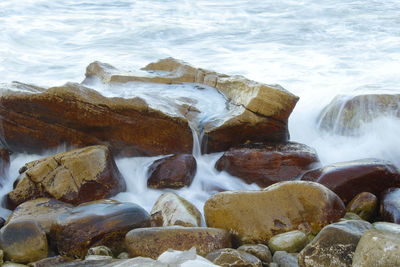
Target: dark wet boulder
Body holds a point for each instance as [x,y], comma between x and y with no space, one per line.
[74,177]
[390,205]
[266,164]
[172,172]
[347,179]
[364,205]
[334,245]
[23,241]
[152,242]
[256,216]
[97,223]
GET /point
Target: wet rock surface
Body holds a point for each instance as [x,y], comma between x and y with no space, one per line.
[377,248]
[266,164]
[291,242]
[347,179]
[228,257]
[171,209]
[172,172]
[334,245]
[151,242]
[261,251]
[74,177]
[23,241]
[364,205]
[390,205]
[256,216]
[284,259]
[97,223]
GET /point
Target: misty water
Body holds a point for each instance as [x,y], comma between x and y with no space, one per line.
[315,49]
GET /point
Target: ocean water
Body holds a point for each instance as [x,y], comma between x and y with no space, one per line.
[315,49]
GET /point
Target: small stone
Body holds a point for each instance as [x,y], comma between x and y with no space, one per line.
[291,242]
[334,245]
[261,251]
[364,205]
[171,209]
[23,241]
[377,248]
[284,259]
[101,251]
[228,257]
[123,255]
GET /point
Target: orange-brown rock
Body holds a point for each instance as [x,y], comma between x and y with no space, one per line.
[77,116]
[256,216]
[266,164]
[390,205]
[151,242]
[98,223]
[74,177]
[258,112]
[364,205]
[4,163]
[172,172]
[347,179]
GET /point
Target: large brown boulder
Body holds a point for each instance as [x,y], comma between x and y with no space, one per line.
[266,164]
[102,222]
[74,177]
[172,172]
[256,216]
[390,205]
[347,179]
[77,116]
[259,112]
[151,242]
[346,114]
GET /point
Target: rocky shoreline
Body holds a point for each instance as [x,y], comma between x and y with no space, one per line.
[63,214]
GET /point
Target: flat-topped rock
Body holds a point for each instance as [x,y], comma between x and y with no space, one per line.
[266,164]
[74,177]
[255,216]
[347,179]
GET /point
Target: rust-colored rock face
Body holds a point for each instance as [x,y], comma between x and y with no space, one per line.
[172,172]
[77,116]
[4,163]
[347,179]
[256,216]
[266,164]
[390,205]
[74,177]
[151,242]
[97,223]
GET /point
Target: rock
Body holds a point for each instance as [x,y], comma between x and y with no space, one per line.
[346,114]
[266,164]
[2,222]
[350,216]
[151,242]
[284,259]
[347,179]
[334,245]
[377,248]
[172,172]
[1,257]
[23,241]
[74,177]
[42,210]
[364,205]
[98,257]
[261,251]
[256,216]
[123,255]
[259,112]
[98,223]
[4,163]
[228,257]
[100,251]
[273,264]
[291,242]
[91,119]
[171,209]
[386,226]
[390,205]
[50,262]
[13,264]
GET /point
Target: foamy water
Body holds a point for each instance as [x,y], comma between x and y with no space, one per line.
[315,49]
